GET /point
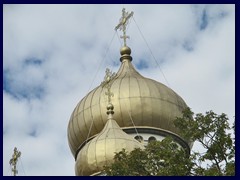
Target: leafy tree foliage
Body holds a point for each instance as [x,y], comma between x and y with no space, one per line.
[158,158]
[167,158]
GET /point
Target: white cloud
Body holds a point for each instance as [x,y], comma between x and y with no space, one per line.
[56,51]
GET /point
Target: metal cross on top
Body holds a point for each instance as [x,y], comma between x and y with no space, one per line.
[123,23]
[106,83]
[13,161]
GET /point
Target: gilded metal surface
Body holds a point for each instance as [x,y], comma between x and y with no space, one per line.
[149,102]
[100,151]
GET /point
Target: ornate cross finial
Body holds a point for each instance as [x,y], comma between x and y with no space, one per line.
[13,161]
[107,84]
[123,23]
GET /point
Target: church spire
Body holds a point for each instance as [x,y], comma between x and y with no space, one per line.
[144,108]
[123,23]
[14,160]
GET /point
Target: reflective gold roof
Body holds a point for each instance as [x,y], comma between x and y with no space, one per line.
[100,151]
[150,104]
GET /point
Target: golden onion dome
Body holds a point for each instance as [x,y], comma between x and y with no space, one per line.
[139,100]
[101,150]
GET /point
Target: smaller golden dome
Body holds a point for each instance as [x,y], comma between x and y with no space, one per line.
[101,150]
[125,50]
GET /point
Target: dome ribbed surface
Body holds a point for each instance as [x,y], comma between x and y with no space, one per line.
[150,104]
[100,151]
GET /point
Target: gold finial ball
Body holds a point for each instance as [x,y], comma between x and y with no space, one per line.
[125,50]
[110,106]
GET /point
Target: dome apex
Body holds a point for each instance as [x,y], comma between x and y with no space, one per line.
[125,50]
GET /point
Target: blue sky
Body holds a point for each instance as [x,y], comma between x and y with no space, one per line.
[53,55]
